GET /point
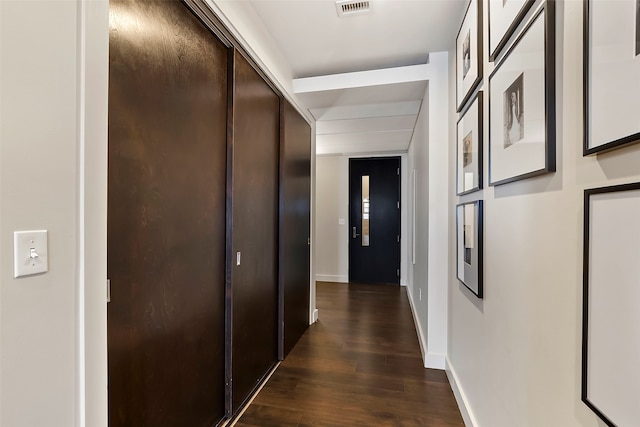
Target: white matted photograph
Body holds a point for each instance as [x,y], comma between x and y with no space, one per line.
[470,246]
[513,105]
[466,54]
[468,231]
[612,75]
[504,18]
[611,293]
[469,132]
[522,127]
[467,150]
[469,54]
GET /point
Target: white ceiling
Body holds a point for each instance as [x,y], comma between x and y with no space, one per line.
[359,110]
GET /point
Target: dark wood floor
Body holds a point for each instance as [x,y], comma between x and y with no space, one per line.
[359,365]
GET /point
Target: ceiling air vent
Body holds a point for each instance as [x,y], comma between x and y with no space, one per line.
[352,8]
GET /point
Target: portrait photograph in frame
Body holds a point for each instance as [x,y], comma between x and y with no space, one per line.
[469,54]
[522,113]
[504,18]
[611,75]
[469,134]
[470,246]
[611,304]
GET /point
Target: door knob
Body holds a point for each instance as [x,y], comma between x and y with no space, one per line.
[355,234]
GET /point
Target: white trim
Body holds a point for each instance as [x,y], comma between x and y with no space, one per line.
[81,407]
[93,89]
[413,218]
[331,278]
[312,230]
[463,403]
[429,360]
[435,361]
[344,112]
[422,340]
[315,316]
[386,76]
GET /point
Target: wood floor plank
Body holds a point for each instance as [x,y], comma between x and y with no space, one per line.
[359,365]
[266,416]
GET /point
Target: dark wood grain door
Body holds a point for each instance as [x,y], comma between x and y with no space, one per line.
[254,260]
[295,225]
[166,217]
[374,220]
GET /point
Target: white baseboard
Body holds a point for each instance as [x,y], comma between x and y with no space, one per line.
[315,315]
[463,403]
[331,278]
[435,361]
[422,340]
[403,282]
[429,360]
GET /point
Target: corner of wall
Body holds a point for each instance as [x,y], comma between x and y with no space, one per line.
[438,213]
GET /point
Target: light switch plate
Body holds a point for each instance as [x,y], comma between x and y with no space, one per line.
[30,252]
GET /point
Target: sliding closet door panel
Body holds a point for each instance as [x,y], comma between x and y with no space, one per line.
[166,217]
[295,224]
[255,230]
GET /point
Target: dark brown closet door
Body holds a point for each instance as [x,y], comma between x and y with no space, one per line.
[255,230]
[166,217]
[295,228]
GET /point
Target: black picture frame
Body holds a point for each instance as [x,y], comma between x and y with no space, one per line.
[466,83]
[469,246]
[514,21]
[598,262]
[615,105]
[509,166]
[470,124]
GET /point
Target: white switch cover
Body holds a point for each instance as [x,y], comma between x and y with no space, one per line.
[30,252]
[341,221]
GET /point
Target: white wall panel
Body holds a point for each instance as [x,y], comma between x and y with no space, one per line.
[516,354]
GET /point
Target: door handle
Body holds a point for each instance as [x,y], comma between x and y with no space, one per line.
[355,234]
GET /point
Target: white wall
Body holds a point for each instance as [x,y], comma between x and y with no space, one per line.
[429,156]
[53,81]
[332,205]
[515,355]
[419,233]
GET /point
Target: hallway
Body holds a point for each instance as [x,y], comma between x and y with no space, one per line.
[359,365]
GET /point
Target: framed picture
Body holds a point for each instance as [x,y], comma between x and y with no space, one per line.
[611,304]
[469,148]
[469,53]
[611,74]
[504,18]
[469,246]
[522,97]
